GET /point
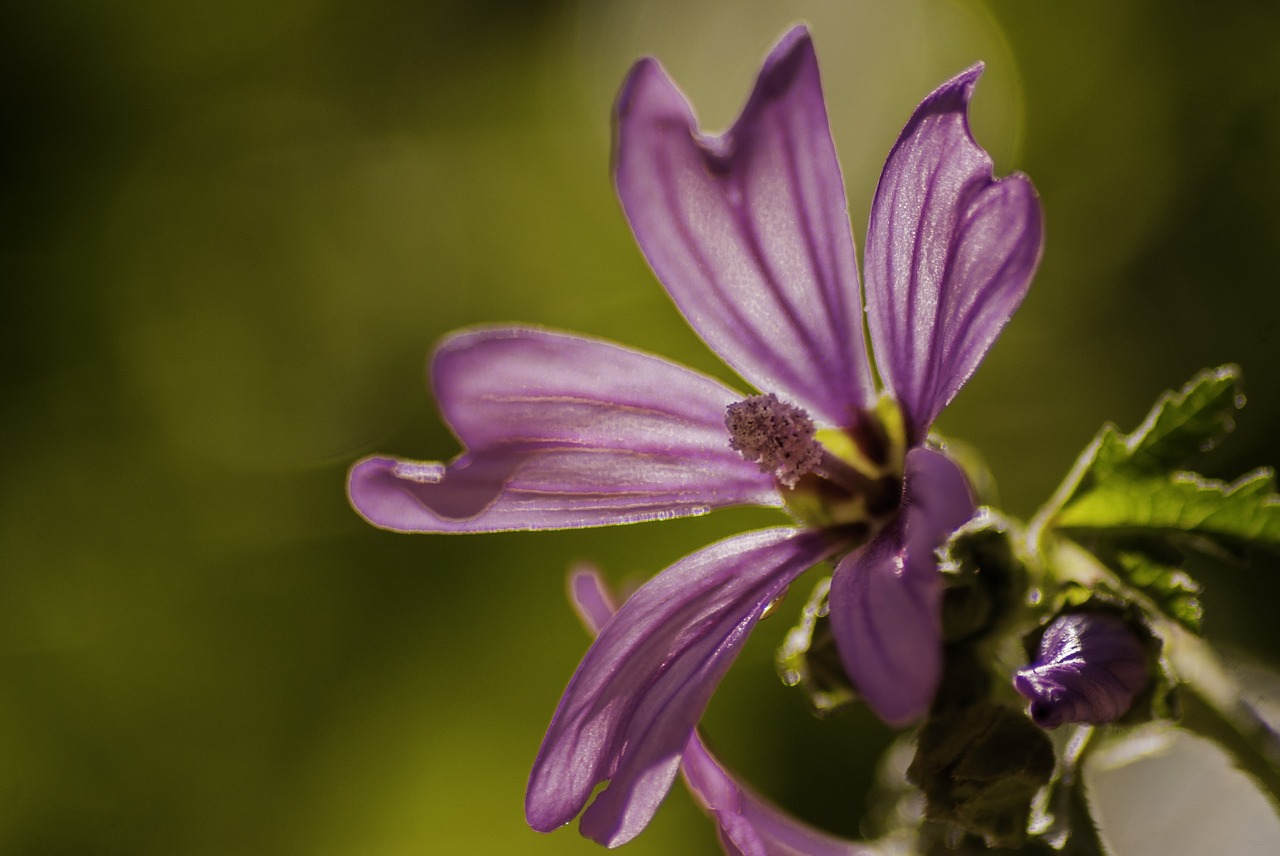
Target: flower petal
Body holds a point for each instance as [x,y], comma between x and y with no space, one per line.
[749,231]
[563,431]
[886,599]
[950,254]
[637,695]
[591,599]
[748,825]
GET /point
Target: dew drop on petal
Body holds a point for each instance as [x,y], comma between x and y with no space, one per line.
[899,565]
[772,606]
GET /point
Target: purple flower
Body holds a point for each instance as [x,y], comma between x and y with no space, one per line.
[1089,668]
[749,233]
[746,824]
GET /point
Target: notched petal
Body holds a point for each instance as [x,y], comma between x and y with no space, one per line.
[950,254]
[749,231]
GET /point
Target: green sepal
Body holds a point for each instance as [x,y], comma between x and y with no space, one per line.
[985,578]
[1084,839]
[1065,817]
[808,657]
[979,768]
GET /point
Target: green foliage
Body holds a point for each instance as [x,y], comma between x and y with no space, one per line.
[1163,582]
[1181,503]
[979,768]
[1129,500]
[986,580]
[808,658]
[1183,424]
[1180,426]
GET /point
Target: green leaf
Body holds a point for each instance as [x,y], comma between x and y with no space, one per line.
[1161,579]
[1180,426]
[1185,423]
[1129,488]
[1186,504]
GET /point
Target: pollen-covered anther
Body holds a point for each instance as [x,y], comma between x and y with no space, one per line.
[780,437]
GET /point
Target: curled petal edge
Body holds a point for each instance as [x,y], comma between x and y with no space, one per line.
[562,431]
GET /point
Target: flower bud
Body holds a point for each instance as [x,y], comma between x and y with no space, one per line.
[1090,668]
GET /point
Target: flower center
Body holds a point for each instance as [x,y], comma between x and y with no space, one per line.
[780,437]
[831,477]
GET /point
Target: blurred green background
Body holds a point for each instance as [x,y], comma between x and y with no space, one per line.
[231,234]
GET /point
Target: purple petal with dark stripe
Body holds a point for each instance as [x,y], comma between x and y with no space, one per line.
[563,431]
[634,701]
[747,824]
[886,599]
[950,254]
[1089,668]
[749,231]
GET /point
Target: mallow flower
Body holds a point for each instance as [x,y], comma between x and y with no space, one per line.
[746,823]
[749,233]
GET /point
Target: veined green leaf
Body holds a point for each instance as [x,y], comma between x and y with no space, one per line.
[1128,489]
[1185,423]
[1167,586]
[1181,425]
[1247,510]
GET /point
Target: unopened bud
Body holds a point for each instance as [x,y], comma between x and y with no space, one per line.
[1089,669]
